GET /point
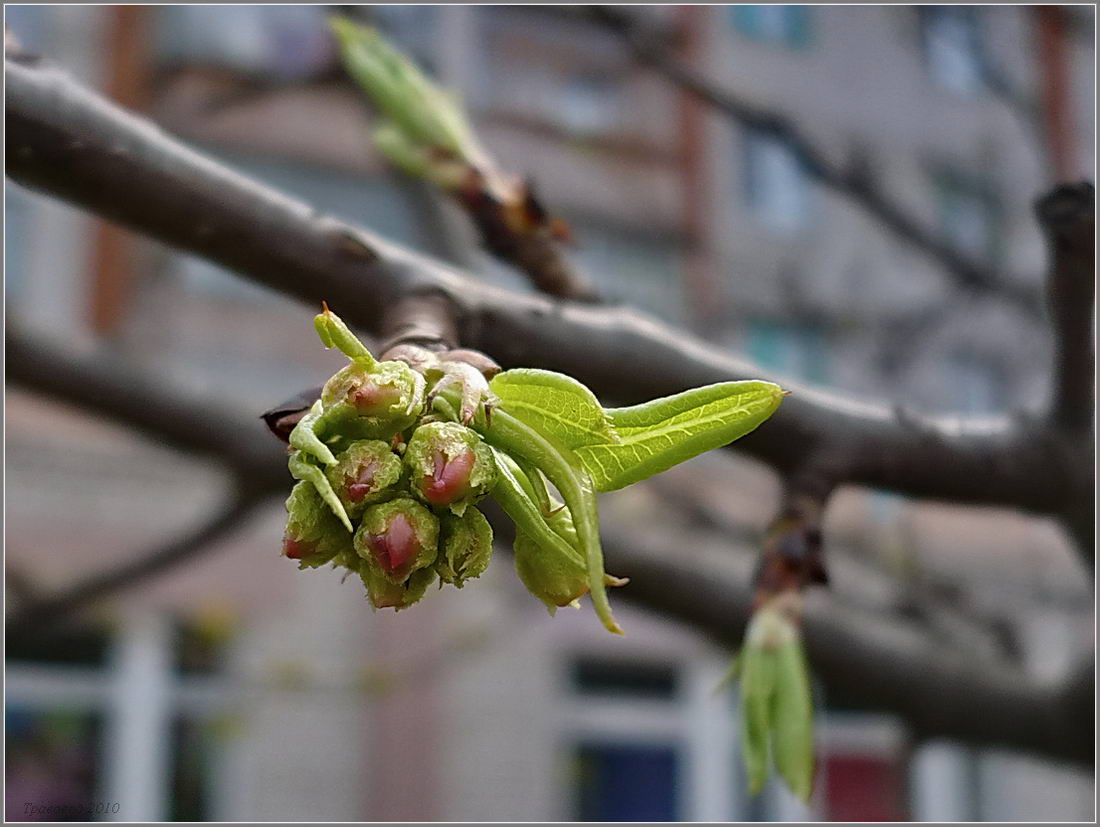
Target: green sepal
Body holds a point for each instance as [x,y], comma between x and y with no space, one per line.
[334,333]
[385,594]
[314,535]
[304,437]
[465,547]
[302,469]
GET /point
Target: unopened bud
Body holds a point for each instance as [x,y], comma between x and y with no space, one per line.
[374,402]
[314,535]
[398,537]
[450,465]
[368,471]
[385,594]
[465,547]
[553,576]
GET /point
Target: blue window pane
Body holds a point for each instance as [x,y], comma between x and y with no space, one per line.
[781,25]
[619,782]
[791,349]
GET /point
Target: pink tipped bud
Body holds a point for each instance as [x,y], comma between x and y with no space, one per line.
[398,538]
[449,480]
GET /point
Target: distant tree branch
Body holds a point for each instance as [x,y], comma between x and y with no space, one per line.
[38,616]
[885,663]
[66,140]
[848,182]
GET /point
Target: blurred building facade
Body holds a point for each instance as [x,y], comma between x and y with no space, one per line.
[242,689]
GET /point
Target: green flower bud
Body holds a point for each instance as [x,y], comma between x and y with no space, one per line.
[365,473]
[314,535]
[398,538]
[450,465]
[551,575]
[373,402]
[465,546]
[385,594]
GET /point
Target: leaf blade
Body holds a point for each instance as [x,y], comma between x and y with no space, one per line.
[793,723]
[556,405]
[657,435]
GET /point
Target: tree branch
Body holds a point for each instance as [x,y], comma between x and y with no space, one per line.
[889,665]
[847,182]
[66,140]
[39,615]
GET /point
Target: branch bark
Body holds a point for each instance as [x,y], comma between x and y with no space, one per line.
[66,140]
[890,665]
[847,182]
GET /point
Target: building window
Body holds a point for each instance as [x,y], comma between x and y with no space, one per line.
[969,215]
[780,25]
[285,42]
[626,782]
[794,349]
[776,186]
[951,42]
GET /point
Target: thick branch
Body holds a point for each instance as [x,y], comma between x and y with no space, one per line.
[142,401]
[67,141]
[890,666]
[848,182]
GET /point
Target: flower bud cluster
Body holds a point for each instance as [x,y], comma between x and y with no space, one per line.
[406,483]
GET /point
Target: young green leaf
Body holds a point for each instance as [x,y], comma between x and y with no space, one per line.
[657,435]
[555,405]
[757,687]
[793,724]
[423,112]
[515,437]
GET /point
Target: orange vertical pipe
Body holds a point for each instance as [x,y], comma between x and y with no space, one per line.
[127,83]
[1054,76]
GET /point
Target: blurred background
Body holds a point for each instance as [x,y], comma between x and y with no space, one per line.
[235,687]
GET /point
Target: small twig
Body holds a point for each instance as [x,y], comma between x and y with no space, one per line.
[38,616]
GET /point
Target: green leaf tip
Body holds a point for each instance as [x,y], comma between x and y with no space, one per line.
[657,435]
[332,332]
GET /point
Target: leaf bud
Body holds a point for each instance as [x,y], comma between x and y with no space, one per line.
[465,547]
[398,538]
[383,593]
[314,535]
[554,577]
[450,465]
[366,472]
[373,402]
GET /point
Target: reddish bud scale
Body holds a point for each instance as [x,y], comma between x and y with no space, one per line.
[372,399]
[396,550]
[297,549]
[360,484]
[449,481]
